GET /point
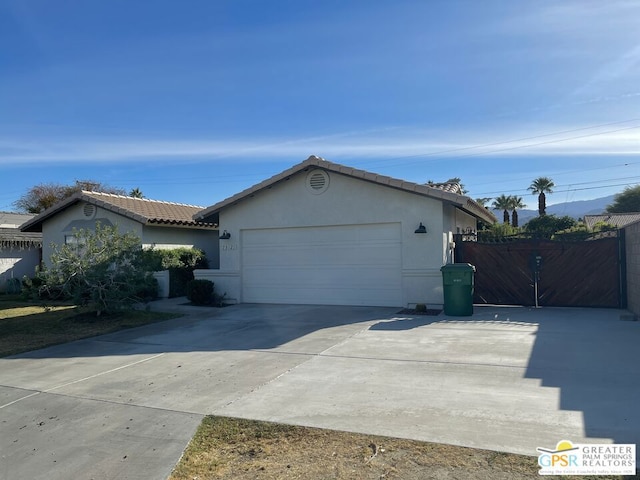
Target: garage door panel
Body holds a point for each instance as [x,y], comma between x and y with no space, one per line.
[319,255]
[367,277]
[342,265]
[296,294]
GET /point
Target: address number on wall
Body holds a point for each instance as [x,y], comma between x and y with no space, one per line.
[231,246]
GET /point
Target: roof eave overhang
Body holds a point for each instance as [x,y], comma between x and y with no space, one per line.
[35,224]
[487,218]
[179,224]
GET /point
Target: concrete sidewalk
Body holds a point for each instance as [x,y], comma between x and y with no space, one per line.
[508,378]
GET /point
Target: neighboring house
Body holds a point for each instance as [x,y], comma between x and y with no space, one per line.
[19,252]
[618,220]
[158,224]
[323,233]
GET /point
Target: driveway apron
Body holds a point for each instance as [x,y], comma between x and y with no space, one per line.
[512,379]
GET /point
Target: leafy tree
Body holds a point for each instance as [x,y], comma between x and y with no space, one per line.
[483,201]
[103,270]
[136,193]
[547,225]
[542,186]
[503,202]
[41,197]
[627,201]
[515,204]
[45,195]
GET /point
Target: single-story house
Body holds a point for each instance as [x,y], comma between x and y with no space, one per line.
[158,224]
[618,220]
[19,251]
[324,233]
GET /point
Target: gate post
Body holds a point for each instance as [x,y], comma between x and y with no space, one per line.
[622,267]
[458,252]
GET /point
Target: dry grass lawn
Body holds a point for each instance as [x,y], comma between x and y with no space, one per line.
[228,448]
[25,326]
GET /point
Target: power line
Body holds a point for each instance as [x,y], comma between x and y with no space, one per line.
[566,172]
[492,144]
[550,141]
[568,188]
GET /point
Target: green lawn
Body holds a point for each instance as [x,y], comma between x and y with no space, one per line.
[26,326]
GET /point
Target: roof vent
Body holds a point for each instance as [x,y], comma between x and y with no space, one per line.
[317,181]
[89,210]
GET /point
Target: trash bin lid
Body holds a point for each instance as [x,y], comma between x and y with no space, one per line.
[458,267]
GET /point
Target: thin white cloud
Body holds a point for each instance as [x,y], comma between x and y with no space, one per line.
[622,66]
[622,139]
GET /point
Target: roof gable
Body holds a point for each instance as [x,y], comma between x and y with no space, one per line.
[142,210]
[433,191]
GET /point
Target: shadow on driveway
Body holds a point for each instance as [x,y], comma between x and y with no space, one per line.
[590,355]
[239,327]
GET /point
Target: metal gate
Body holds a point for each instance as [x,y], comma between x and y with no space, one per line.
[588,273]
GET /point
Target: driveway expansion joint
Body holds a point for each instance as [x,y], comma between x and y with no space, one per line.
[311,357]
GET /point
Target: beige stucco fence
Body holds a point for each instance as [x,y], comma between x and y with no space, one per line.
[632,241]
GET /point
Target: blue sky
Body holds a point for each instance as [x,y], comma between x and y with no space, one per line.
[195,101]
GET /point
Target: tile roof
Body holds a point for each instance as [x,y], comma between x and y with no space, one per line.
[13,220]
[143,210]
[464,203]
[14,238]
[452,187]
[616,219]
[10,234]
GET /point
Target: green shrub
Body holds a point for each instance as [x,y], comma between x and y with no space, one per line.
[180,262]
[421,307]
[103,270]
[497,231]
[157,260]
[35,289]
[148,289]
[581,232]
[200,292]
[546,225]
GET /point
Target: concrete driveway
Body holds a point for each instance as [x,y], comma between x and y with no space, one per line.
[125,405]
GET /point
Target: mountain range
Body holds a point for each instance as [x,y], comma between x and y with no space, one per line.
[577,209]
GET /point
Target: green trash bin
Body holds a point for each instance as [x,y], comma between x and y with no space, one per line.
[457,280]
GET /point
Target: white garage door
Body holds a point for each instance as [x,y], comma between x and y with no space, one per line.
[338,265]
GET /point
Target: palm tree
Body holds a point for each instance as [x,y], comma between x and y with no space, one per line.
[541,186]
[483,201]
[503,202]
[136,193]
[516,203]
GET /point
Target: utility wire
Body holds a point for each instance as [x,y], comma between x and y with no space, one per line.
[544,135]
[568,189]
[550,141]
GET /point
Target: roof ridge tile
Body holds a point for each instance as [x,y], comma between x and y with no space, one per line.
[150,200]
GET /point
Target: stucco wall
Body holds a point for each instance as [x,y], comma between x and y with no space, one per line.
[167,238]
[632,240]
[16,263]
[55,229]
[346,201]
